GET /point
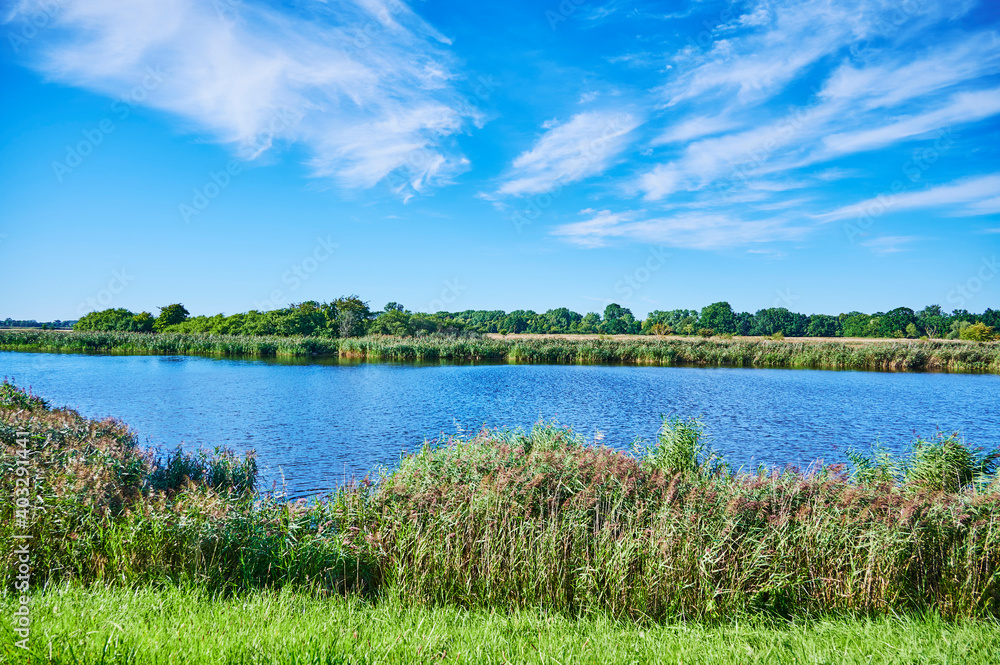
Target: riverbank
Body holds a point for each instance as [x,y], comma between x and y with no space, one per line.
[156,626]
[897,355]
[516,521]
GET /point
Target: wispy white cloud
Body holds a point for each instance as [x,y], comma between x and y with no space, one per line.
[366,85]
[961,108]
[965,197]
[894,97]
[694,128]
[695,230]
[889,244]
[777,41]
[887,84]
[583,146]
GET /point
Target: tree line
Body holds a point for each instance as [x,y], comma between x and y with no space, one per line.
[349,316]
[31,323]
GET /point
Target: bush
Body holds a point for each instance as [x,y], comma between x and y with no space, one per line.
[681,447]
[978,332]
[778,336]
[946,464]
[221,470]
[706,332]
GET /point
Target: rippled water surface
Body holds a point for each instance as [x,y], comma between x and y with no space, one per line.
[316,424]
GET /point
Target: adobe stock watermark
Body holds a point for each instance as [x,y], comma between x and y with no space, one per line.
[25,487]
[757,156]
[120,279]
[538,204]
[209,190]
[632,282]
[227,10]
[95,136]
[962,294]
[887,24]
[217,181]
[449,294]
[39,20]
[364,37]
[562,13]
[299,273]
[785,298]
[913,169]
[705,37]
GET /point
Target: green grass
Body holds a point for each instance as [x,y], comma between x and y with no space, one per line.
[189,626]
[763,352]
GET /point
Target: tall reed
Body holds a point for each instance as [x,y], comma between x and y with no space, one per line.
[763,352]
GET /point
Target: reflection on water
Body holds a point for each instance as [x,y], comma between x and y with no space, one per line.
[318,423]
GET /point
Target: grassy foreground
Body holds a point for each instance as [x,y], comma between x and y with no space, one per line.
[184,625]
[758,352]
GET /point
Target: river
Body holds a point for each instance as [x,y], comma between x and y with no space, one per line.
[313,425]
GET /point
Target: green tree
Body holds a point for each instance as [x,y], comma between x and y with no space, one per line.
[719,317]
[353,316]
[169,316]
[932,320]
[774,320]
[120,319]
[560,320]
[855,324]
[591,323]
[393,322]
[143,322]
[619,320]
[520,320]
[894,323]
[822,325]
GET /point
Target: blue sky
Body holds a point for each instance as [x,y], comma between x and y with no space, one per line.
[227,154]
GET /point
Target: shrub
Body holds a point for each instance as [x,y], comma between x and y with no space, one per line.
[660,329]
[978,332]
[706,332]
[877,468]
[680,447]
[778,336]
[947,464]
[221,470]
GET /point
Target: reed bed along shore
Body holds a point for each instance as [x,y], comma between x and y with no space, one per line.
[517,521]
[913,355]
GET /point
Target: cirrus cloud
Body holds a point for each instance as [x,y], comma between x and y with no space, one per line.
[367,86]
